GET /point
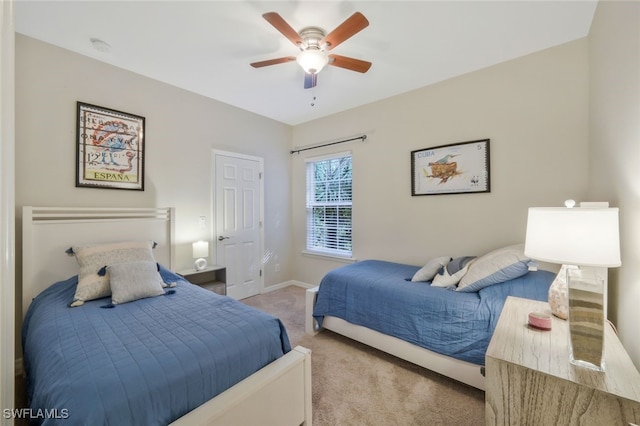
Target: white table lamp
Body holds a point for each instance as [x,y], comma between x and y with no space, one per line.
[586,241]
[200,253]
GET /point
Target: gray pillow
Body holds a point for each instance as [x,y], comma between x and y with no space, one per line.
[453,272]
[134,280]
[92,258]
[495,267]
[428,271]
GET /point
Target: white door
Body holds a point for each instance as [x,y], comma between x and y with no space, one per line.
[238,218]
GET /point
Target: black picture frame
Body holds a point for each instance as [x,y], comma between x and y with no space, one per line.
[437,171]
[110,146]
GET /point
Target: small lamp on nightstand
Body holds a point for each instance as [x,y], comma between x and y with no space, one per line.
[586,241]
[200,253]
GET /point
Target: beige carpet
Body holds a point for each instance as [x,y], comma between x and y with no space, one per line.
[354,384]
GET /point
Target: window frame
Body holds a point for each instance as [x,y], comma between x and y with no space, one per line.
[310,204]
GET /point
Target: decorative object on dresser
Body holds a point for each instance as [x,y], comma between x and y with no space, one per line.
[528,381]
[540,320]
[587,237]
[200,253]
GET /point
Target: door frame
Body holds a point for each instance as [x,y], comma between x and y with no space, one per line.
[9,365]
[214,231]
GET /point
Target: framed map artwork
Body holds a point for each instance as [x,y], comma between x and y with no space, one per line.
[110,148]
[451,169]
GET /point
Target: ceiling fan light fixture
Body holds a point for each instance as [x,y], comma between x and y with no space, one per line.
[314,43]
[312,60]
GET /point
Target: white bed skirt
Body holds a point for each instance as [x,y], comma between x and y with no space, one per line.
[462,371]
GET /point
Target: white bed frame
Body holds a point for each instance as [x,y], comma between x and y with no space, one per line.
[278,394]
[461,371]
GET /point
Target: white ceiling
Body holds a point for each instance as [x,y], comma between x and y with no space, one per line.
[206,46]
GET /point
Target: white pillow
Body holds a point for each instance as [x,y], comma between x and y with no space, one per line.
[134,280]
[428,271]
[92,258]
[495,267]
[452,273]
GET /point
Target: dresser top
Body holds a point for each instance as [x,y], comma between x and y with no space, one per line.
[514,341]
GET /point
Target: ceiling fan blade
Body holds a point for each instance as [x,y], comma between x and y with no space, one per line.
[352,25]
[310,80]
[281,25]
[349,63]
[273,62]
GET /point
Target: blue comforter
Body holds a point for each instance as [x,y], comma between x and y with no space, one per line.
[377,295]
[146,362]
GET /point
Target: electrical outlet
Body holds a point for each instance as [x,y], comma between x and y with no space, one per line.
[277,267]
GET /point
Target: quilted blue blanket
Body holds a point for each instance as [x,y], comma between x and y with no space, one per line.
[376,294]
[146,362]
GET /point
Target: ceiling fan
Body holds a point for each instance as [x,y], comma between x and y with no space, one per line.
[314,44]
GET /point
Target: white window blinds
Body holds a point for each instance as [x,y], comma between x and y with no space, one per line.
[329,204]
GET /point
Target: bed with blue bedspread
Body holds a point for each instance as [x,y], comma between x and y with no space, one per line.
[148,362]
[380,296]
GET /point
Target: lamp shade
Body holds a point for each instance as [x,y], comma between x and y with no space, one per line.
[585,236]
[200,249]
[312,60]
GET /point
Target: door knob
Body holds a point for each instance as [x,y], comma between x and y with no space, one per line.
[220,238]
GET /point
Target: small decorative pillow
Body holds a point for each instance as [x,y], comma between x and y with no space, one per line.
[453,272]
[428,271]
[134,280]
[495,267]
[93,257]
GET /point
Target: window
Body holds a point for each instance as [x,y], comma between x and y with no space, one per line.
[329,204]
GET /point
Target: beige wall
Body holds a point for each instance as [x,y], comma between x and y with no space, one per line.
[614,150]
[534,110]
[182,128]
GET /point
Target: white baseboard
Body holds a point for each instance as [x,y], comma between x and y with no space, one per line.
[287,284]
[303,285]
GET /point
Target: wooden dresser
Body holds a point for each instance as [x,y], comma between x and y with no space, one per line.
[529,380]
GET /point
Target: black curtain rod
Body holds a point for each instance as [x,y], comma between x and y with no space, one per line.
[363,137]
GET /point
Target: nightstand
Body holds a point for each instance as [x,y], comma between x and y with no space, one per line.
[529,380]
[213,277]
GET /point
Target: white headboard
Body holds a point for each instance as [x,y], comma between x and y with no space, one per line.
[48,231]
